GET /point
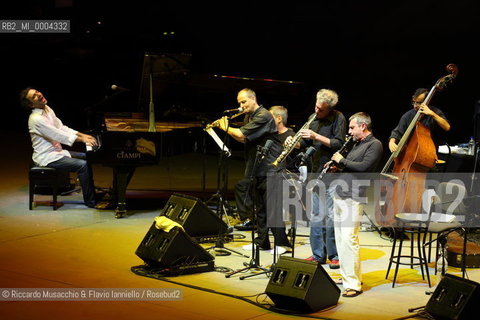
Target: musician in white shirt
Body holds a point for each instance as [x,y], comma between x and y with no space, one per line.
[48,133]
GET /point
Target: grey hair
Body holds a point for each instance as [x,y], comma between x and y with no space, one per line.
[280,111]
[362,117]
[328,96]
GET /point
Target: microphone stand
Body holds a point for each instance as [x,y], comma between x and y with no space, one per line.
[293,221]
[475,149]
[255,260]
[475,160]
[276,229]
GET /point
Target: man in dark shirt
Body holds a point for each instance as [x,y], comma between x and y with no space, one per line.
[258,128]
[274,208]
[433,118]
[274,184]
[348,209]
[327,134]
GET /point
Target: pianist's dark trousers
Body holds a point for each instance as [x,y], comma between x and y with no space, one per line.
[78,164]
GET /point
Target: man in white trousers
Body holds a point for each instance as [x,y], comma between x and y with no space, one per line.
[348,206]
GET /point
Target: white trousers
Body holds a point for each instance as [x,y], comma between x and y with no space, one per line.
[347,215]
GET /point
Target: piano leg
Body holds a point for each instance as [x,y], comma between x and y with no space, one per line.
[121,179]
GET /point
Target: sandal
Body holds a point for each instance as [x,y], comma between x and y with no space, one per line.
[338,281]
[350,293]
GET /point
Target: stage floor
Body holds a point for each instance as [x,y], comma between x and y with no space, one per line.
[78,247]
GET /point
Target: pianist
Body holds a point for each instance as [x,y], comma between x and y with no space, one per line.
[48,133]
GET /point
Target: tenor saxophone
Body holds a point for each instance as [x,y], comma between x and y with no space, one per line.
[295,140]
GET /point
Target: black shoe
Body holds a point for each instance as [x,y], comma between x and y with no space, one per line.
[246,225]
[91,204]
[102,195]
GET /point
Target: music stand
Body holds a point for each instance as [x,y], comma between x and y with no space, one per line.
[220,249]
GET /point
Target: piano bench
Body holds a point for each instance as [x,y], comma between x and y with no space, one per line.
[44,178]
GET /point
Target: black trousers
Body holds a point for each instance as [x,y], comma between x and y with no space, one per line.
[272,201]
[243,199]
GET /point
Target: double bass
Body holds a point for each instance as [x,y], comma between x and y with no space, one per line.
[414,157]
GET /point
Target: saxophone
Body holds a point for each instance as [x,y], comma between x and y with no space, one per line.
[296,139]
[344,150]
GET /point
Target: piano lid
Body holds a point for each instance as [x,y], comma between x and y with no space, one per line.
[181,94]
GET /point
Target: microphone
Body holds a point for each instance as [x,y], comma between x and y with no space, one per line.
[266,149]
[118,88]
[233,111]
[310,151]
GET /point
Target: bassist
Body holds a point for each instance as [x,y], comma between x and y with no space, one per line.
[433,118]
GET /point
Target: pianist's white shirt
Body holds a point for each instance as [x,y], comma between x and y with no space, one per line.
[48,134]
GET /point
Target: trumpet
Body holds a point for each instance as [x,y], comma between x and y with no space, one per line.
[344,150]
[214,124]
[296,139]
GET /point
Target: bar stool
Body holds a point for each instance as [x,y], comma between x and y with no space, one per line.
[44,177]
[416,228]
[416,225]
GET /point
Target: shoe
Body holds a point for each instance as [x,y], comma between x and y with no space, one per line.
[245,226]
[248,247]
[91,205]
[281,250]
[102,196]
[312,258]
[350,293]
[334,264]
[104,205]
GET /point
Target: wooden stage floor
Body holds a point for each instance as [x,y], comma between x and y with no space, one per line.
[78,247]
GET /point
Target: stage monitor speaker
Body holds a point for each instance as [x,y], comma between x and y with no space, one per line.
[195,217]
[454,298]
[302,286]
[174,250]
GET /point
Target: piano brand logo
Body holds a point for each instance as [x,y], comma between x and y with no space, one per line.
[128,155]
[137,150]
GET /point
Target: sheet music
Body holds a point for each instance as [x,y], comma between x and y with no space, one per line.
[220,143]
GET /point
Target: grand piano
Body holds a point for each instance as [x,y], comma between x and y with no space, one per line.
[172,99]
[126,144]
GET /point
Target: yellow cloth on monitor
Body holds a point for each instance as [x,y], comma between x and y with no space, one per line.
[165,224]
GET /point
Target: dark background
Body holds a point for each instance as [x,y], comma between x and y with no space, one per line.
[374,54]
